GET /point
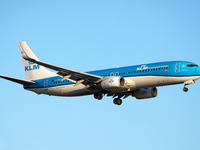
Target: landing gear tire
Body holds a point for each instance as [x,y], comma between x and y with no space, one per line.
[117,101]
[185,89]
[98,96]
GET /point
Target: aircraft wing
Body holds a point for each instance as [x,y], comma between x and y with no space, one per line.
[79,77]
[23,82]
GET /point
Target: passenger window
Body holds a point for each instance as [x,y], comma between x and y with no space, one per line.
[140,71]
[134,71]
[131,71]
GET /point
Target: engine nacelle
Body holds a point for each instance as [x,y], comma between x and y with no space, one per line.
[113,83]
[146,93]
[129,84]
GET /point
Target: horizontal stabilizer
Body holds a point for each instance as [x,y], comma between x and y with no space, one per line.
[23,82]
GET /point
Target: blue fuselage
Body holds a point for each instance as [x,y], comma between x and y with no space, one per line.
[161,69]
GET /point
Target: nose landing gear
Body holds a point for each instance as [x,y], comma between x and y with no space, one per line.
[185,89]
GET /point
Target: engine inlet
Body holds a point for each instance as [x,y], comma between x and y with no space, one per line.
[122,82]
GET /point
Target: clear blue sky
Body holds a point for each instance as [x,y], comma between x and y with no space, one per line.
[89,35]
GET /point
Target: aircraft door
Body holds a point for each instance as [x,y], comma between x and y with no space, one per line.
[196,69]
[177,67]
[46,86]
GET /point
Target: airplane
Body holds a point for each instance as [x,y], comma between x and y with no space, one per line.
[139,81]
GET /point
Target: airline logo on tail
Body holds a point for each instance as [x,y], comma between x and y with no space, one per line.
[30,63]
[32,66]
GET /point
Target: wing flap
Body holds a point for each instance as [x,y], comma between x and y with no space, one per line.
[23,82]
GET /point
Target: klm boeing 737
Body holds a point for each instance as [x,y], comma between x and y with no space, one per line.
[139,81]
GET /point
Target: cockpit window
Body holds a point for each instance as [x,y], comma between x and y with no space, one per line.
[192,65]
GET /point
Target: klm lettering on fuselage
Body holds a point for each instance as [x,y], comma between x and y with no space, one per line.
[32,67]
[142,67]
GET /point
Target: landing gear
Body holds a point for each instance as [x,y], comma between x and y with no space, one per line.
[98,96]
[185,89]
[117,101]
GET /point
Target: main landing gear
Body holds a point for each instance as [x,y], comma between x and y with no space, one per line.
[98,96]
[117,101]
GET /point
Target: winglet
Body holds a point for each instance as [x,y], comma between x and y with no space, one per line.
[23,53]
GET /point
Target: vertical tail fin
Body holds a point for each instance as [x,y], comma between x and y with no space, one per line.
[33,71]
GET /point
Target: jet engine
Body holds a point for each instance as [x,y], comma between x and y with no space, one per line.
[146,93]
[113,83]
